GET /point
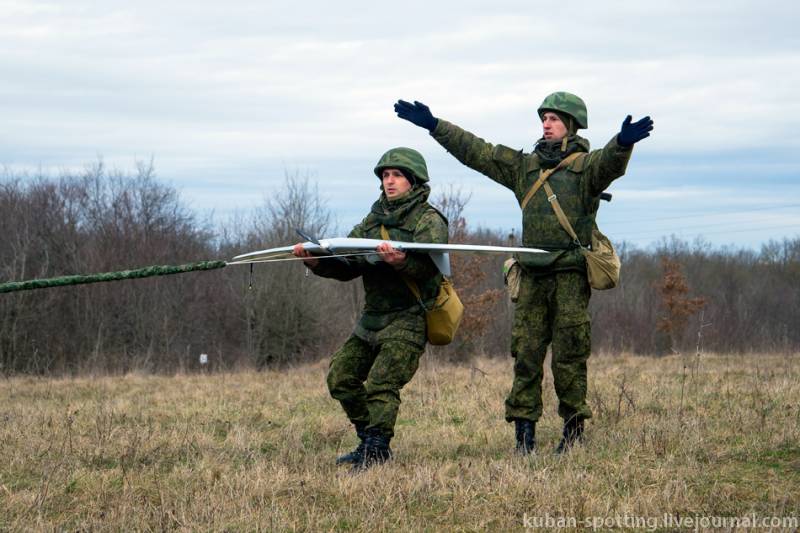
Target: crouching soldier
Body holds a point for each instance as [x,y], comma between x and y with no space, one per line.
[552,308]
[383,352]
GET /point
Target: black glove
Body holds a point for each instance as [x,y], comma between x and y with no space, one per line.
[631,134]
[416,113]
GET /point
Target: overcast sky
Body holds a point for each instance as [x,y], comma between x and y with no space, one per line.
[227,97]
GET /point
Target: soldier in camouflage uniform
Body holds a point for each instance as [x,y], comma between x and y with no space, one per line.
[383,352]
[554,291]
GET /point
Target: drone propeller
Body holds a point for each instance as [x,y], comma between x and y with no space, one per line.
[307,237]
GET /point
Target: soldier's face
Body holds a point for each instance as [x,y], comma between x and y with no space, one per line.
[394,183]
[553,128]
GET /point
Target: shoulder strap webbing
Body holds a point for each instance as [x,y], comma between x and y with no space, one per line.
[544,174]
[562,218]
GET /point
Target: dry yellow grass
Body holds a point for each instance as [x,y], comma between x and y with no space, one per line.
[686,436]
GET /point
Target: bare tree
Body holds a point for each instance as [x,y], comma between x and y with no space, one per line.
[291,316]
[100,220]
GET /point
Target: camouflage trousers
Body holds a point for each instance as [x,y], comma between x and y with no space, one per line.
[366,376]
[551,310]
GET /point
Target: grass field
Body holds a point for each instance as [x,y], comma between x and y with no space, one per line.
[694,436]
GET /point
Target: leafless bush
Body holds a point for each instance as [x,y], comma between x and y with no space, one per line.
[290,316]
[93,222]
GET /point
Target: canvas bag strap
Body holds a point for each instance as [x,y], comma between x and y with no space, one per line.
[543,175]
[411,284]
[562,218]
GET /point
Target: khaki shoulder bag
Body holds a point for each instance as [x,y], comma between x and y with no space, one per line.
[444,317]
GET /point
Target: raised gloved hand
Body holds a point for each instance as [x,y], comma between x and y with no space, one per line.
[631,134]
[416,113]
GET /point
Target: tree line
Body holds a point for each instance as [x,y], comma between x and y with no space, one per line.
[677,296]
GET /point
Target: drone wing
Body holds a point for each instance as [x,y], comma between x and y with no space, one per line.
[343,246]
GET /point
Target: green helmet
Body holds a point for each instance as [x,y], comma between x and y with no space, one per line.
[405,159]
[566,103]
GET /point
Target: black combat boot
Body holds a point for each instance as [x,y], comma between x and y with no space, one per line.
[573,432]
[376,450]
[356,455]
[526,435]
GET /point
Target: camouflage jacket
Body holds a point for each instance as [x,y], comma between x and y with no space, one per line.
[386,294]
[577,187]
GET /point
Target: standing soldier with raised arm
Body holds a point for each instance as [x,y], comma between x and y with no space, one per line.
[552,307]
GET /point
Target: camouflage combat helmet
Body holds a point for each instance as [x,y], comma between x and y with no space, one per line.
[566,103]
[405,159]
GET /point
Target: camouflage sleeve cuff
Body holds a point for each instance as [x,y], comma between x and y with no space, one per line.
[417,266]
[335,268]
[320,269]
[606,165]
[619,147]
[404,266]
[441,129]
[623,152]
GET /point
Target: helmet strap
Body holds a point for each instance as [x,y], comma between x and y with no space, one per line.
[566,137]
